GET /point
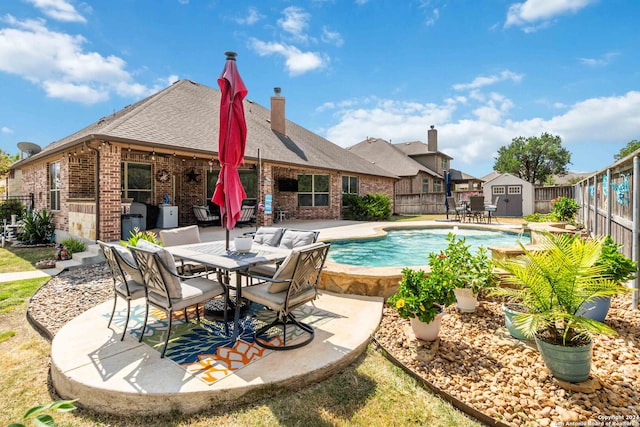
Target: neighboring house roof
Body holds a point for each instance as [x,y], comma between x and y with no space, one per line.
[490,176]
[416,148]
[185,116]
[506,175]
[457,175]
[389,157]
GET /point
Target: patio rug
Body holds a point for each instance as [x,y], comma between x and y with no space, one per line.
[203,349]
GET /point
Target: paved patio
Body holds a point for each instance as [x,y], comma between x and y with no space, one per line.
[89,362]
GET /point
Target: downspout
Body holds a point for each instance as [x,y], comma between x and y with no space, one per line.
[96,187]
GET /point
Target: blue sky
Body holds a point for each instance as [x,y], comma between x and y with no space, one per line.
[482,72]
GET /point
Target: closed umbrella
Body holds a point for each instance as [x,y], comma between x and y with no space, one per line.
[448,185]
[232,140]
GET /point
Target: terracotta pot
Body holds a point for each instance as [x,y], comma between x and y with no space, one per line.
[427,331]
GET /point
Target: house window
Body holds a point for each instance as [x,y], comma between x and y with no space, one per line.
[313,190]
[463,186]
[437,186]
[54,186]
[443,163]
[498,190]
[425,185]
[514,189]
[135,181]
[349,185]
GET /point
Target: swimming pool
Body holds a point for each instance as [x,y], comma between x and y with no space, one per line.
[410,247]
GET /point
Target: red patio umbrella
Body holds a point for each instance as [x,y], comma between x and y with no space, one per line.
[232,140]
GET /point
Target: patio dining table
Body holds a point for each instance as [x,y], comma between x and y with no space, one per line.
[214,255]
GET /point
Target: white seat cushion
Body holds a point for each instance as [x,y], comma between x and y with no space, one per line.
[135,290]
[180,236]
[269,236]
[295,238]
[262,295]
[194,291]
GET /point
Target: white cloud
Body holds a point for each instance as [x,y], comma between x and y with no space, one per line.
[332,37]
[5,129]
[473,142]
[489,80]
[361,2]
[297,62]
[60,10]
[295,22]
[59,64]
[599,62]
[251,18]
[540,12]
[431,19]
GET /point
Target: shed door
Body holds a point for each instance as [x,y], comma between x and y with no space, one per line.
[498,194]
[513,200]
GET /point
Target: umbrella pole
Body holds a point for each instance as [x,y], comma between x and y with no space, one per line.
[227,238]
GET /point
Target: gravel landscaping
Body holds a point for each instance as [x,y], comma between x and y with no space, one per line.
[474,360]
[477,362]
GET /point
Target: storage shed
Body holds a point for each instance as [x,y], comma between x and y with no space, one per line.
[515,196]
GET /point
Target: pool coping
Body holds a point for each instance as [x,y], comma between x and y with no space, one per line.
[381,281]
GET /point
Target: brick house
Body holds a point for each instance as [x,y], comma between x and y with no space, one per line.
[167,144]
[420,168]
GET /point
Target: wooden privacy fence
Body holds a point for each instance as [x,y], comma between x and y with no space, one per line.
[610,206]
[544,195]
[419,204]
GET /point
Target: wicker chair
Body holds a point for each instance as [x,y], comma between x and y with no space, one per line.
[204,217]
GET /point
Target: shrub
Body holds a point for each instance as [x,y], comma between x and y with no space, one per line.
[37,227]
[564,209]
[370,207]
[11,207]
[136,235]
[73,246]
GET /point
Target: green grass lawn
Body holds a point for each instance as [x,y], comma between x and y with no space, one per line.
[23,259]
[370,392]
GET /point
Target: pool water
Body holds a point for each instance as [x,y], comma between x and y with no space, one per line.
[410,247]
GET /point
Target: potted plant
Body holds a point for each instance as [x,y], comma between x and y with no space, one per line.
[619,268]
[553,283]
[467,272]
[422,299]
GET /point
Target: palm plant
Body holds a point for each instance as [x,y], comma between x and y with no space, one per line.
[553,283]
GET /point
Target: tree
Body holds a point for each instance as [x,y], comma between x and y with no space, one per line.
[5,163]
[630,148]
[533,159]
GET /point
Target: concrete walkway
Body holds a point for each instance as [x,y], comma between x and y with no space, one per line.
[23,275]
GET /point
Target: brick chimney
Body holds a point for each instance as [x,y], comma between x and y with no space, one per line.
[277,112]
[432,139]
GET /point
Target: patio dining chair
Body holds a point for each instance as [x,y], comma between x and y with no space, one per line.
[295,283]
[183,236]
[476,208]
[290,239]
[458,210]
[127,280]
[171,292]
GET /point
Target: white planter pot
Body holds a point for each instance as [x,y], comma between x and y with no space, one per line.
[467,301]
[242,244]
[427,331]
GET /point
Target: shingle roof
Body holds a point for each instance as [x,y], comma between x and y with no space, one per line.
[184,116]
[415,148]
[389,157]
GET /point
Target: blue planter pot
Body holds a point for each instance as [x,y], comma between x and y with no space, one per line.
[572,364]
[596,309]
[510,311]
